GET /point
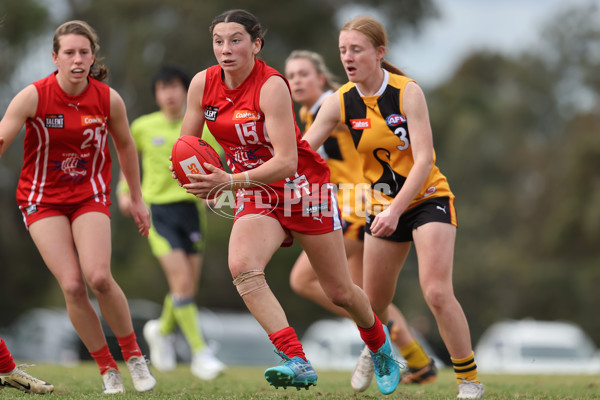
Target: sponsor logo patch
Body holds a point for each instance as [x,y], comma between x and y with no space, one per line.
[430,190]
[316,208]
[210,113]
[56,121]
[87,120]
[245,115]
[31,209]
[364,123]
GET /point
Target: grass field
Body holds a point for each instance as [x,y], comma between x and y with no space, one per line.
[83,382]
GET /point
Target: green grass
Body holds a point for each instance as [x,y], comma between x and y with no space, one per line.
[83,382]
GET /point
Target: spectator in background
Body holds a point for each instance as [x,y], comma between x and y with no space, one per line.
[177,233]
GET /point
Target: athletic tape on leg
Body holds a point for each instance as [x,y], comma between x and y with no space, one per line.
[250,281]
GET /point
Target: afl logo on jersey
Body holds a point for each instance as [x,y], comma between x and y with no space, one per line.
[364,123]
[56,121]
[395,120]
[210,113]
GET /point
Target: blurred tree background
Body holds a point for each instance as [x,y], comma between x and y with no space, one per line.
[517,136]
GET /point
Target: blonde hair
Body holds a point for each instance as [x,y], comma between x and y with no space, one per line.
[82,28]
[375,33]
[319,64]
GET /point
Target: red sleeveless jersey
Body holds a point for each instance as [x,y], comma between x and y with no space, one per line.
[66,155]
[236,121]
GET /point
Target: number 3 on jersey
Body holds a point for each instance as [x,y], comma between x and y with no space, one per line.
[403,136]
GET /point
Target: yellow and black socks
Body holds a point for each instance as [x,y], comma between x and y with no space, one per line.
[415,356]
[465,368]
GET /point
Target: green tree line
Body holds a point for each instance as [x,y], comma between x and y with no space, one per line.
[517,136]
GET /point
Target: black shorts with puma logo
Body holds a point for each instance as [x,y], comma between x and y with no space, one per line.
[436,209]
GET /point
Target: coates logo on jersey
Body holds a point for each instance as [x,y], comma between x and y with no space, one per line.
[395,120]
[87,120]
[210,113]
[364,123]
[245,115]
[56,121]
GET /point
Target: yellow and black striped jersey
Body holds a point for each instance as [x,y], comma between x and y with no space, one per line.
[344,163]
[379,129]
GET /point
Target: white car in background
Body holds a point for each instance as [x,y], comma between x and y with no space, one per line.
[47,335]
[536,347]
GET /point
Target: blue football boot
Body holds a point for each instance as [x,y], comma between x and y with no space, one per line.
[387,369]
[293,372]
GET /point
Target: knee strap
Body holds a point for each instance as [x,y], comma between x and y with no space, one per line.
[250,281]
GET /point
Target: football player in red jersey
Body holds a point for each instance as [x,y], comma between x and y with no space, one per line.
[64,191]
[248,108]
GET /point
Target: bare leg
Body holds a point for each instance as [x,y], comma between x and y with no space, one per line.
[328,259]
[403,336]
[249,251]
[54,240]
[383,261]
[182,272]
[303,279]
[435,250]
[91,233]
[304,282]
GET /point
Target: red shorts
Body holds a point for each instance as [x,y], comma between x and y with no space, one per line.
[35,212]
[310,216]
